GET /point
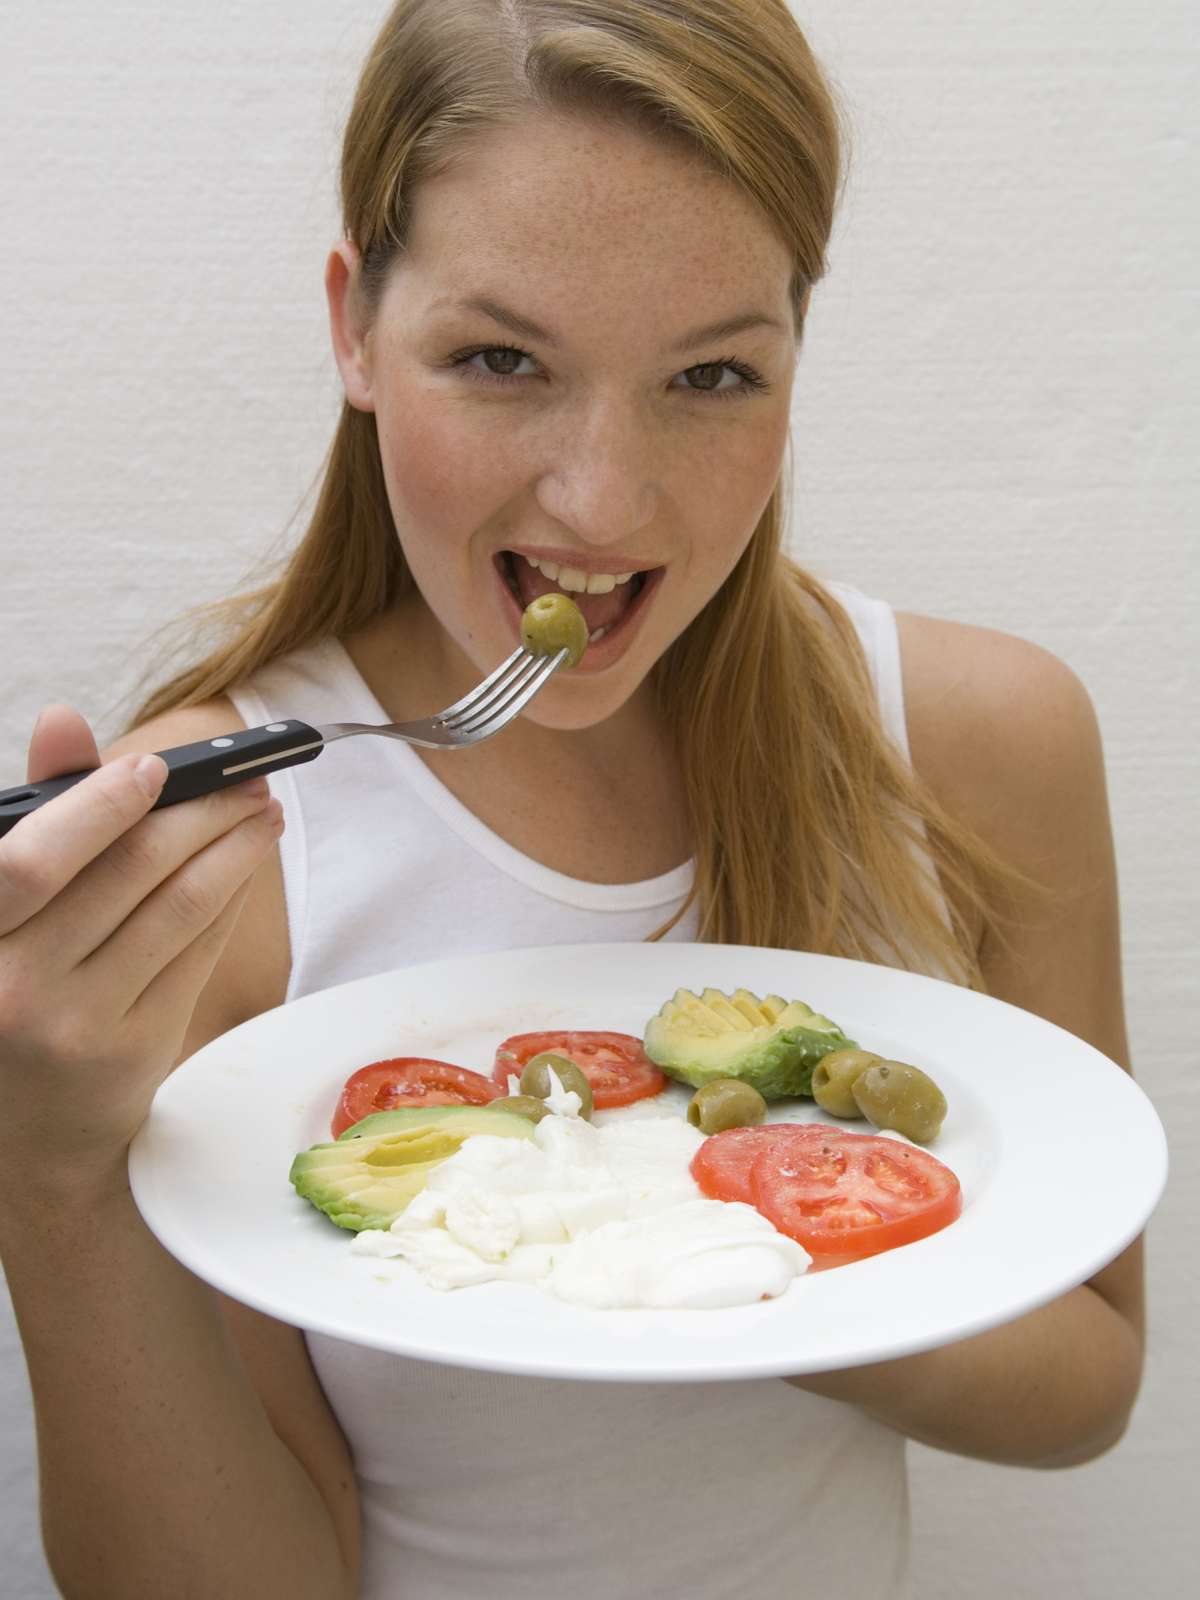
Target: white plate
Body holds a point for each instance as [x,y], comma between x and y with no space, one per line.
[1060,1155]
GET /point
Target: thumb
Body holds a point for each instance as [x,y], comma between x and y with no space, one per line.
[61,742]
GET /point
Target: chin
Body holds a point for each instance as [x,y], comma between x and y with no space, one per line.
[571,706]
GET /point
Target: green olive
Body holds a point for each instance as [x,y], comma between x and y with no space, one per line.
[891,1094]
[726,1103]
[833,1077]
[521,1105]
[535,1080]
[551,623]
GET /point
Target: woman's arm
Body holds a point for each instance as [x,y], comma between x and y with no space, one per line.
[174,1458]
[1006,737]
[185,1446]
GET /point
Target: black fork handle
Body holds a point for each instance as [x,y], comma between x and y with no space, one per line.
[192,769]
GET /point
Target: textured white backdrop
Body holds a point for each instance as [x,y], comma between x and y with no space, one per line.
[995,422]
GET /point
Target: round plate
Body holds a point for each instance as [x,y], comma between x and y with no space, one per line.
[1060,1155]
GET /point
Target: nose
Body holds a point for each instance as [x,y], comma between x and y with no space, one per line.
[599,480]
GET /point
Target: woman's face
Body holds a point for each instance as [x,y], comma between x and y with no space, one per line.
[583,360]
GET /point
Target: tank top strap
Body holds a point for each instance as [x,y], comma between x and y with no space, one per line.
[875,623]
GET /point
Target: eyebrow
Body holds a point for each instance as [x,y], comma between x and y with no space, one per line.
[525,328]
[726,329]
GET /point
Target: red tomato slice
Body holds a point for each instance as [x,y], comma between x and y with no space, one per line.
[615,1064]
[854,1195]
[721,1166]
[408,1081]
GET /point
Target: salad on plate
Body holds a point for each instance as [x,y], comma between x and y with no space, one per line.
[580,1163]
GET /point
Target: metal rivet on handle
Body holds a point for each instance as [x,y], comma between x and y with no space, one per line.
[221,744]
[277,727]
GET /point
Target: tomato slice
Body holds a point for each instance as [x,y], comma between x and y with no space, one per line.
[615,1064]
[721,1166]
[408,1081]
[854,1195]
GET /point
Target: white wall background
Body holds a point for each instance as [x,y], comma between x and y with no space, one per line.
[995,422]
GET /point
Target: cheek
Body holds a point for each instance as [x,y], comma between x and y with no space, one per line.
[442,482]
[728,497]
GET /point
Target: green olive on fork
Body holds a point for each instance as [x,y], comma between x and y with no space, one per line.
[551,623]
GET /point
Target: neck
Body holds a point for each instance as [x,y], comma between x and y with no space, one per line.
[603,803]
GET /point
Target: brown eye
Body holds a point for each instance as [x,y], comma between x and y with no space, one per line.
[707,377]
[502,362]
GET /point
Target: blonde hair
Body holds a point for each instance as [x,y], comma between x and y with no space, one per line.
[808,830]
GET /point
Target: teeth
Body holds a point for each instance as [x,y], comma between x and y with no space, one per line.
[576,579]
[597,634]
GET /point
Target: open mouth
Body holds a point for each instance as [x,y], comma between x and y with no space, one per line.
[608,600]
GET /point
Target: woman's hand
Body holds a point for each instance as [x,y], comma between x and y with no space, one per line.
[112,918]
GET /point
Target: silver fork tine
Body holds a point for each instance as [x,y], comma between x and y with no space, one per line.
[488,684]
[481,703]
[481,726]
[490,706]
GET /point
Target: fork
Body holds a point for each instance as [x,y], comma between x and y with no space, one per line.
[211,764]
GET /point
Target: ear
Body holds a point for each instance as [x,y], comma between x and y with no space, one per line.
[350,349]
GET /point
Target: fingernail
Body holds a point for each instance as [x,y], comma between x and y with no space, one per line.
[256,788]
[150,773]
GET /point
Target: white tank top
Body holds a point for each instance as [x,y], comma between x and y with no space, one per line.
[479,1486]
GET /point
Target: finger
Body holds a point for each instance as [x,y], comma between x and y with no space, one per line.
[61,742]
[50,846]
[170,998]
[109,890]
[181,909]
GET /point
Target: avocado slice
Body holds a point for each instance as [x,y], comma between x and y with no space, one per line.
[773,1044]
[402,1117]
[366,1178]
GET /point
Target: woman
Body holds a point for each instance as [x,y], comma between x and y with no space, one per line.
[581,241]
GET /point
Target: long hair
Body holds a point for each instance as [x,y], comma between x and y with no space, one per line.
[809,831]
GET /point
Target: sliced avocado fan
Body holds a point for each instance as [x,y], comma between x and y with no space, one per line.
[773,1044]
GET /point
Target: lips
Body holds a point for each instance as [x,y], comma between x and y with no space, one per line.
[613,615]
[599,610]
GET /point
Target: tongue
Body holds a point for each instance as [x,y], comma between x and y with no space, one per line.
[599,610]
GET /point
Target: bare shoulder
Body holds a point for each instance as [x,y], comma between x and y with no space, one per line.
[957,656]
[252,973]
[980,685]
[1002,730]
[1006,737]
